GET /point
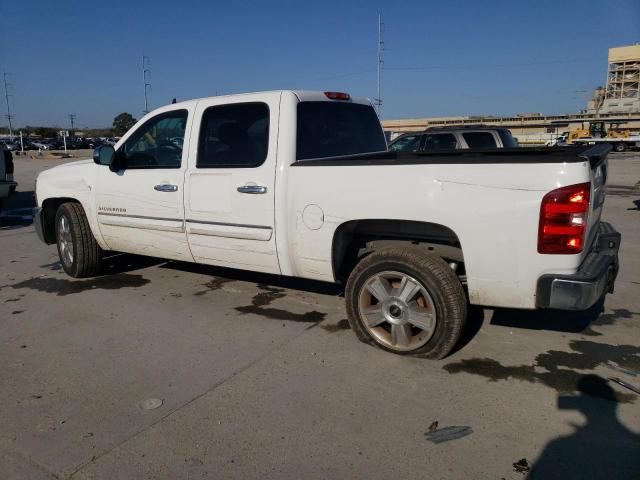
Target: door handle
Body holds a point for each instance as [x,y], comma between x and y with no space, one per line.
[166,187]
[253,189]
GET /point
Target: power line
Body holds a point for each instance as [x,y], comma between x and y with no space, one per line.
[378,100]
[146,80]
[6,97]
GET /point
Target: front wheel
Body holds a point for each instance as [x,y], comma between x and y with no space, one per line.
[619,147]
[80,254]
[407,301]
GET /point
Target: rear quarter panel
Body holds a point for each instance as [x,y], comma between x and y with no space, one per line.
[493,209]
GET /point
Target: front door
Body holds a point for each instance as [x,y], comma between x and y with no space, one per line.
[140,208]
[229,186]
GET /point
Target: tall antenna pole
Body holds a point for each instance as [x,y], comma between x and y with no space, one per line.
[378,101]
[72,117]
[6,97]
[146,80]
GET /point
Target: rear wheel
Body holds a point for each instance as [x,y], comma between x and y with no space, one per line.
[80,254]
[406,301]
[619,147]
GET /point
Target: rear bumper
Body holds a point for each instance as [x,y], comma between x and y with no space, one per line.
[595,277]
[37,223]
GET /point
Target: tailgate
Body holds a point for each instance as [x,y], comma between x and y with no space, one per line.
[597,157]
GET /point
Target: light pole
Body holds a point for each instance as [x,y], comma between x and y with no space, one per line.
[6,97]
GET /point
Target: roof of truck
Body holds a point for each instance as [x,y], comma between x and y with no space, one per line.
[303,96]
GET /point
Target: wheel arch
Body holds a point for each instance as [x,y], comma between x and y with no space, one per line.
[49,208]
[355,239]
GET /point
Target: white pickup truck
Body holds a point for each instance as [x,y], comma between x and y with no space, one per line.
[301,184]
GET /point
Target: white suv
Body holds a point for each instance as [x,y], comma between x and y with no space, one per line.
[448,138]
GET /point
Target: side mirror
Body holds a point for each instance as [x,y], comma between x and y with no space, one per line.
[104,155]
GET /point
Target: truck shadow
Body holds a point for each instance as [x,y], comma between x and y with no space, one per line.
[560,320]
[231,274]
[585,322]
[552,320]
[115,263]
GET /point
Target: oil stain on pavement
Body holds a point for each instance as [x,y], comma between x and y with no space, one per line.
[557,369]
[213,285]
[62,287]
[260,305]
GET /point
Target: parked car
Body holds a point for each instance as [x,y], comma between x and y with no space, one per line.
[41,145]
[559,141]
[453,138]
[10,145]
[58,145]
[7,183]
[301,184]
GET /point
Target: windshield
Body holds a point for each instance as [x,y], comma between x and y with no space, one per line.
[331,129]
[409,143]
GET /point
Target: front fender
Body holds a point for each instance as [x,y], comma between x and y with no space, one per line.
[72,182]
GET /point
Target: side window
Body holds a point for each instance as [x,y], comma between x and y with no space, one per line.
[158,142]
[479,139]
[406,144]
[234,136]
[441,141]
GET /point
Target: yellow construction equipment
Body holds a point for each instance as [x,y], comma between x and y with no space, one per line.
[597,129]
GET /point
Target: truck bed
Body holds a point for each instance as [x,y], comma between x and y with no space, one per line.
[527,155]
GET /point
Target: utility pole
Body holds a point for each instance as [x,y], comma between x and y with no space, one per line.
[378,100]
[72,117]
[146,80]
[6,97]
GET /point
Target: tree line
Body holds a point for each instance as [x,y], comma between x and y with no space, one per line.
[121,123]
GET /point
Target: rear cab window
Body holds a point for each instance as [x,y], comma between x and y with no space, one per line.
[331,129]
[479,139]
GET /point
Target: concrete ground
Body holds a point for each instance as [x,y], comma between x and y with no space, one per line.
[255,376]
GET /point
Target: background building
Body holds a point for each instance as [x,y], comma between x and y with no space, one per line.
[619,102]
[622,94]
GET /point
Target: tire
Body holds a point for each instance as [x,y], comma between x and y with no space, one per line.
[439,308]
[80,254]
[619,147]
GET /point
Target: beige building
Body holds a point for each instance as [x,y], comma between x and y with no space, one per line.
[622,94]
[619,101]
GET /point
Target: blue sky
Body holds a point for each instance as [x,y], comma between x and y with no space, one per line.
[441,58]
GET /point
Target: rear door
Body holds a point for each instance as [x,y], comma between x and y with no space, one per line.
[229,187]
[439,141]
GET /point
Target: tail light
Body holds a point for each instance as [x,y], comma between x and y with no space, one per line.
[563,219]
[337,95]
